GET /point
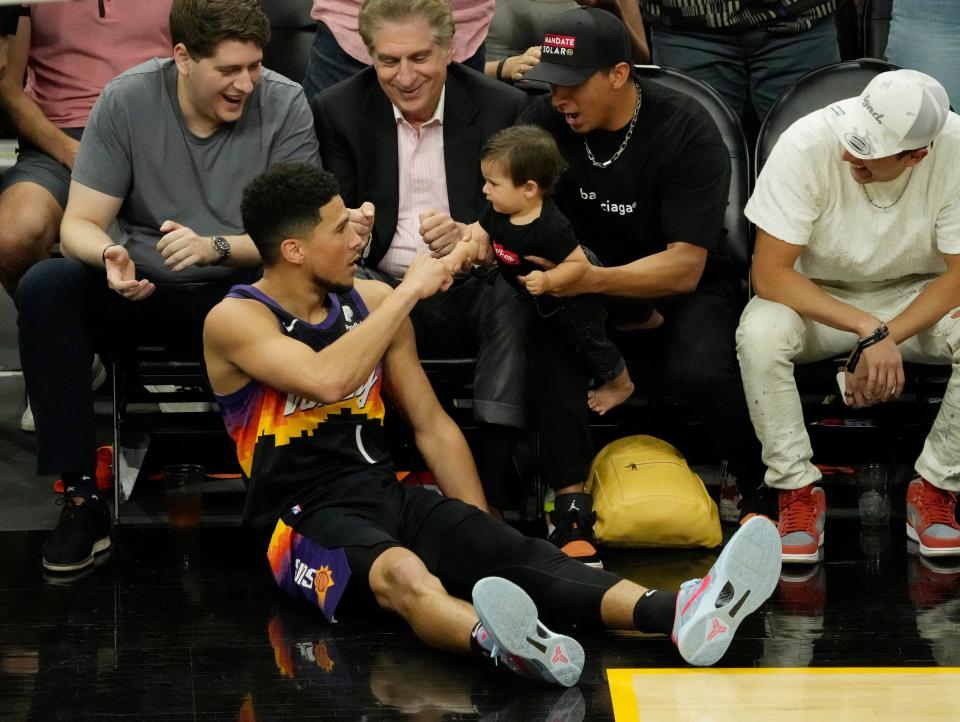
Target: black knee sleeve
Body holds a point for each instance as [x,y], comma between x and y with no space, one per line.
[566,591]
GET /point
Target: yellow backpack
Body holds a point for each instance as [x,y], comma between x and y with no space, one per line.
[645,495]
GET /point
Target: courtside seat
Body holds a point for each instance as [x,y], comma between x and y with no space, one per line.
[162,392]
[650,399]
[136,415]
[737,241]
[817,381]
[653,409]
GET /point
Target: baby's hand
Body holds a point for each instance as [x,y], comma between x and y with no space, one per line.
[536,282]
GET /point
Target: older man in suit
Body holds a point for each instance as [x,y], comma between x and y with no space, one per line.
[405,134]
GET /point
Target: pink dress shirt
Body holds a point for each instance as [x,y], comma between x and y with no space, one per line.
[423,186]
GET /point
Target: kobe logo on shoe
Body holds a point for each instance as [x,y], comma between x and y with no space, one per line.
[716,629]
[559,656]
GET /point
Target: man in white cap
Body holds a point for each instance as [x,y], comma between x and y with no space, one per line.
[858,251]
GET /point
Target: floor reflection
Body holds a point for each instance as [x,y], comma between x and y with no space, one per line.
[188,625]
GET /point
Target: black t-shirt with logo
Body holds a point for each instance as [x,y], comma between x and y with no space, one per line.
[670,184]
[550,236]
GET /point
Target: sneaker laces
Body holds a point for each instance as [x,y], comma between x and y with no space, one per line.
[938,505]
[798,510]
[70,507]
[573,525]
[66,502]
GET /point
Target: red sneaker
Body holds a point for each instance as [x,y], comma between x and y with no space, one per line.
[803,594]
[930,582]
[731,502]
[803,513]
[932,519]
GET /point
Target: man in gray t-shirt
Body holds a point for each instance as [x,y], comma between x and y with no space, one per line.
[152,232]
[142,149]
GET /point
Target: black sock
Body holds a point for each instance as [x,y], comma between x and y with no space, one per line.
[654,612]
[78,483]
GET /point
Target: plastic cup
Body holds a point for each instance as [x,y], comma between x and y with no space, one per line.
[873,482]
[183,489]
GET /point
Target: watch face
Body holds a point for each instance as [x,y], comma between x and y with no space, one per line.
[222,245]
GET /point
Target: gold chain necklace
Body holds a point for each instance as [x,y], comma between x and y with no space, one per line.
[623,145]
[897,200]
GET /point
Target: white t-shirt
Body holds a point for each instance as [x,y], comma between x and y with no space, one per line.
[806,196]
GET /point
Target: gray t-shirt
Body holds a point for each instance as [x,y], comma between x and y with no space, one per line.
[137,146]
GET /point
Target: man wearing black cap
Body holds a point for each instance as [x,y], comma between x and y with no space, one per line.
[646,191]
[858,251]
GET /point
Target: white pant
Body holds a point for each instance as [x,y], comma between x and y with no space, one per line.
[772,338]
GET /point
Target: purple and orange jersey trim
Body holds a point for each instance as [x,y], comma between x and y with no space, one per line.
[256,411]
[302,568]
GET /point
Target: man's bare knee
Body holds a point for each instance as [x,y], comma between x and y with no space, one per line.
[399,579]
[29,225]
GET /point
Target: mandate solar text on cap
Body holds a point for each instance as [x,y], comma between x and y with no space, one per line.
[898,110]
[578,43]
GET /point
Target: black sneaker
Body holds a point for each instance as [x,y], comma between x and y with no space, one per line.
[573,519]
[82,532]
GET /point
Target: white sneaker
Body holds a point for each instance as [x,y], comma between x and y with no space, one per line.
[98,372]
[709,610]
[98,375]
[522,643]
[26,420]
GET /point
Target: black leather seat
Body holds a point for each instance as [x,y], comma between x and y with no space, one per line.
[652,409]
[164,393]
[292,32]
[737,243]
[814,90]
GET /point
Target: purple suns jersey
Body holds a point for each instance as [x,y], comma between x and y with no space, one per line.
[292,448]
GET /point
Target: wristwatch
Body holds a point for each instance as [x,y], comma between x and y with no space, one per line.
[222,246]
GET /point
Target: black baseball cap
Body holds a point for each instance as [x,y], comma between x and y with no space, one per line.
[578,43]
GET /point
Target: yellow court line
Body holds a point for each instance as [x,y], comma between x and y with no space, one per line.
[780,670]
[626,706]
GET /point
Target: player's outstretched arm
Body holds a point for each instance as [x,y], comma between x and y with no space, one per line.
[242,340]
[438,438]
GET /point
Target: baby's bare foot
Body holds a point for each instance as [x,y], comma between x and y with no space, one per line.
[655,320]
[611,394]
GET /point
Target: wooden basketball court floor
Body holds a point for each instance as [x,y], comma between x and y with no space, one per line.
[187,625]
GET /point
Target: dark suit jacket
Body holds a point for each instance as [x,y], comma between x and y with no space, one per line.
[358,143]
